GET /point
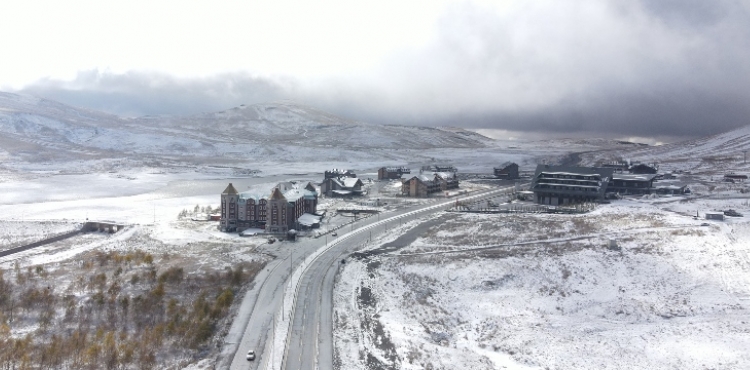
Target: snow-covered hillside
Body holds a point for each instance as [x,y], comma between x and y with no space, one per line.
[550,294]
[722,152]
[292,123]
[38,130]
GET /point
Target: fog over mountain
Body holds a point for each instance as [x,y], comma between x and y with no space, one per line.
[607,68]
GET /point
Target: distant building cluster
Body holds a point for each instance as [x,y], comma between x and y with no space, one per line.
[276,212]
[289,205]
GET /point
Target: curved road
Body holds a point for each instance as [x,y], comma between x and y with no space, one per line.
[308,342]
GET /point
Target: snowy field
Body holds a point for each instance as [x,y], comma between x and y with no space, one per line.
[470,291]
[17,233]
[550,294]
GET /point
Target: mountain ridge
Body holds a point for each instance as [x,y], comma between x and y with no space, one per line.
[35,129]
[723,151]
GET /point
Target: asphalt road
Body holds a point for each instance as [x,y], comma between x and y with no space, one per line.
[310,340]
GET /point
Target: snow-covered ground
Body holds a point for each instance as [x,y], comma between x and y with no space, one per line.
[17,233]
[473,291]
[712,155]
[673,296]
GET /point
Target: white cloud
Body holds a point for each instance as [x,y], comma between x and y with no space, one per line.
[629,68]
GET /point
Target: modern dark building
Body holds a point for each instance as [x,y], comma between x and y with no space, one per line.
[624,183]
[507,170]
[671,189]
[642,168]
[558,185]
[439,168]
[392,173]
[617,166]
[337,172]
[733,177]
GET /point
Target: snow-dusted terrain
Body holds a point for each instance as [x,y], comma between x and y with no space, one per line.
[39,137]
[674,296]
[708,155]
[472,291]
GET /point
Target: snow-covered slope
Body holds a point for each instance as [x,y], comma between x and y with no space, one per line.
[36,129]
[292,123]
[722,152]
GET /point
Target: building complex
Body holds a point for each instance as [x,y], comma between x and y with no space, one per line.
[341,187]
[423,185]
[556,185]
[276,212]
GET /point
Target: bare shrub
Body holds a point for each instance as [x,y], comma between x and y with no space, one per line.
[109,323]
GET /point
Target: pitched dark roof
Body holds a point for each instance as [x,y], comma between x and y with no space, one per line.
[230,189]
[276,194]
[505,165]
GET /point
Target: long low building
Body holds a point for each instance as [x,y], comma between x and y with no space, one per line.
[557,185]
[423,185]
[392,173]
[624,183]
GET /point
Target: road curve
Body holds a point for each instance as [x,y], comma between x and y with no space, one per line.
[262,322]
[310,340]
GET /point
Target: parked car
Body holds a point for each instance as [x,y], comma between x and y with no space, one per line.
[334,234]
[705,224]
[250,355]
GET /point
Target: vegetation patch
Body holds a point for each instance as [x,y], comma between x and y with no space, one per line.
[115,310]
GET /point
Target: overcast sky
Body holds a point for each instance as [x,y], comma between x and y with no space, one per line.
[648,68]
